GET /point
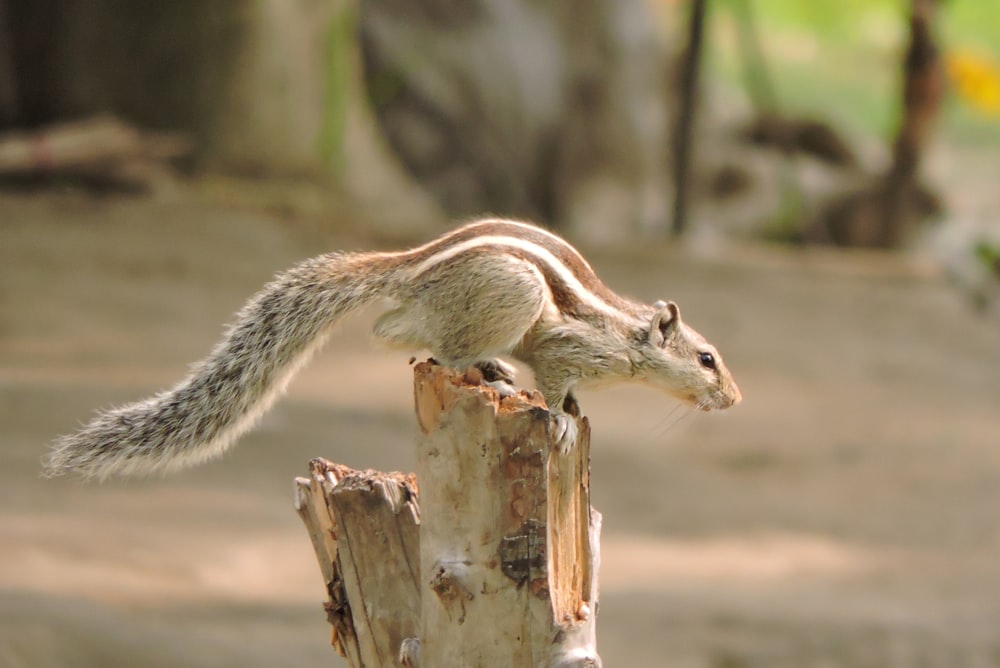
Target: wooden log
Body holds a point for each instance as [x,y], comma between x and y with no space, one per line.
[89,143]
[508,543]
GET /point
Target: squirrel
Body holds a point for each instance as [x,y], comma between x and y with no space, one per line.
[488,289]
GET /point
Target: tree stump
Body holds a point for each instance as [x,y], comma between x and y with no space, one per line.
[496,565]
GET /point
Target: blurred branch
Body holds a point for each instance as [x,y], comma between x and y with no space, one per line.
[684,136]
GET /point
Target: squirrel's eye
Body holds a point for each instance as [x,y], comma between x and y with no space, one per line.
[707,360]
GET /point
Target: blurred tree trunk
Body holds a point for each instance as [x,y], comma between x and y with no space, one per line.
[684,134]
[8,84]
[923,84]
[881,212]
[554,111]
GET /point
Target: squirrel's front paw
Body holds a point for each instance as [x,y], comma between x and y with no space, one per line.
[566,432]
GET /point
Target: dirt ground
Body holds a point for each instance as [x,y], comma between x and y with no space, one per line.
[846,514]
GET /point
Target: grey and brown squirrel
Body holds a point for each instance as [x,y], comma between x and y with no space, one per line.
[482,291]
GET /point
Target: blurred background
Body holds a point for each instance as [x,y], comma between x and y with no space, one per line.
[815,183]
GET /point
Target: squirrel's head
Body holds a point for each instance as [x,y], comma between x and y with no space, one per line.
[676,358]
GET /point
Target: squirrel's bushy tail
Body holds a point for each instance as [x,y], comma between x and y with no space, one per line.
[273,335]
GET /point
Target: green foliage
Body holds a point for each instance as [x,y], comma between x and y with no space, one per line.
[989,255]
[839,59]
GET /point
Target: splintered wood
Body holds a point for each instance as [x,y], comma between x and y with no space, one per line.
[364,530]
[498,565]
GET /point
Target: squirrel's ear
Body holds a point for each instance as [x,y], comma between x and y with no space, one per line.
[665,321]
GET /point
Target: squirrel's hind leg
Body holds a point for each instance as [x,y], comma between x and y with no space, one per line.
[468,310]
[398,329]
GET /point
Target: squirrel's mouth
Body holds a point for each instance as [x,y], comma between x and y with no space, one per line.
[716,400]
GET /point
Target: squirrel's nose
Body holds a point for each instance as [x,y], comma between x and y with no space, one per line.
[734,394]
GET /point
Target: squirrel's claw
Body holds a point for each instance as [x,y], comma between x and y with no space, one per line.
[566,432]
